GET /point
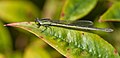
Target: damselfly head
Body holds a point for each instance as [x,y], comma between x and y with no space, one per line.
[42,21]
[38,22]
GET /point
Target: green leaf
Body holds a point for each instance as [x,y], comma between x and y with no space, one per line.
[112,14]
[75,9]
[16,11]
[5,40]
[71,43]
[116,39]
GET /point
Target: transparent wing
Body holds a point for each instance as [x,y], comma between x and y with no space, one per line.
[85,23]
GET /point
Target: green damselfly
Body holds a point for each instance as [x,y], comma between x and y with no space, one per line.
[79,25]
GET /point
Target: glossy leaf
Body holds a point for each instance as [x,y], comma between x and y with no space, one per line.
[112,14]
[71,43]
[16,11]
[76,9]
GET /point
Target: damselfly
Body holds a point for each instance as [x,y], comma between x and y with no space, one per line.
[79,25]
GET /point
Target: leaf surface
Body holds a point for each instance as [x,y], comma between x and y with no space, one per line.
[36,50]
[71,43]
[76,9]
[5,40]
[17,11]
[112,14]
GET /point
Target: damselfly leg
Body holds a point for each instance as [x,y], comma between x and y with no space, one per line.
[46,27]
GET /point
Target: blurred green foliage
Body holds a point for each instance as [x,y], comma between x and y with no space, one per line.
[17,43]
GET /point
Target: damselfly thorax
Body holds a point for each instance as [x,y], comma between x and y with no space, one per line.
[79,25]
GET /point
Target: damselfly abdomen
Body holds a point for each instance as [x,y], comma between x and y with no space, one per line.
[79,25]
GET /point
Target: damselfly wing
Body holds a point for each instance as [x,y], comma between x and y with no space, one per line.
[83,23]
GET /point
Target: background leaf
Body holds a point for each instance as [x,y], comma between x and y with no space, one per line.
[5,41]
[75,9]
[112,14]
[16,11]
[16,54]
[36,50]
[2,56]
[72,43]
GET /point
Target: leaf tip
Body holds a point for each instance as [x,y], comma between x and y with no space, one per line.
[100,20]
[10,24]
